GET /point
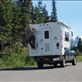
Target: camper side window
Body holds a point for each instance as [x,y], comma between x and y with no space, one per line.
[66,36]
[46,34]
[71,33]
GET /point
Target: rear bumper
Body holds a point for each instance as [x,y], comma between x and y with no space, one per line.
[48,59]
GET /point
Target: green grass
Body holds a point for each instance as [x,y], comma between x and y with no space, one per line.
[79,58]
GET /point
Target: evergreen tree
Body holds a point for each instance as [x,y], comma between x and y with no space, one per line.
[45,14]
[15,22]
[79,46]
[32,13]
[37,15]
[54,13]
[25,13]
[19,2]
[41,14]
[14,19]
[40,7]
[25,19]
[5,22]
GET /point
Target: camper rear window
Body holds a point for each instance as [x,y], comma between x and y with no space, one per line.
[46,34]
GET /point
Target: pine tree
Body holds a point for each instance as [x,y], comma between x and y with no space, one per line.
[19,2]
[45,14]
[25,13]
[13,17]
[25,20]
[41,14]
[15,22]
[79,46]
[5,17]
[40,7]
[5,22]
[32,13]
[37,15]
[54,13]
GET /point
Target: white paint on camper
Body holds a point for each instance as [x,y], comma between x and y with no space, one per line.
[50,39]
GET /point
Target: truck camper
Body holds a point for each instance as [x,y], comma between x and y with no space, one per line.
[51,44]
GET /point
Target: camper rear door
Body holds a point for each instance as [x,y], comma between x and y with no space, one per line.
[47,37]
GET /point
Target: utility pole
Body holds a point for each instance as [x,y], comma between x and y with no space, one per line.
[54,13]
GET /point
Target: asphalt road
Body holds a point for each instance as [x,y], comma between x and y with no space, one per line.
[47,74]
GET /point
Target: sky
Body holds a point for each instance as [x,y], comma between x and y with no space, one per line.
[70,12]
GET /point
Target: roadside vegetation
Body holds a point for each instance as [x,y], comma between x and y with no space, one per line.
[15,17]
[79,57]
[78,49]
[16,57]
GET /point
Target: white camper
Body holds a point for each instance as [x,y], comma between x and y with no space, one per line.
[51,41]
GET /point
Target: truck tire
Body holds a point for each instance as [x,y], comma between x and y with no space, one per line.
[40,65]
[74,61]
[55,64]
[62,63]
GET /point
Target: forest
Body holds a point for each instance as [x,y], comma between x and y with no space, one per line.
[15,17]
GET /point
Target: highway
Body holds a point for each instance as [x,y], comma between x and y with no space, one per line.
[47,74]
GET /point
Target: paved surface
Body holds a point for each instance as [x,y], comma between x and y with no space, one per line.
[47,74]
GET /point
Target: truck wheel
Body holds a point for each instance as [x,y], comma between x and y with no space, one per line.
[62,63]
[40,65]
[55,64]
[74,61]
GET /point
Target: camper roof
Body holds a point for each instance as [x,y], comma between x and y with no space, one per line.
[43,24]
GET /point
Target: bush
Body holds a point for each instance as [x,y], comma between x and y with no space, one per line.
[15,56]
[79,58]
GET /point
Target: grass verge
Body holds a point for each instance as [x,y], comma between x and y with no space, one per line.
[79,58]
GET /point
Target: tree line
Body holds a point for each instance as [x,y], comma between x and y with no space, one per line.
[15,17]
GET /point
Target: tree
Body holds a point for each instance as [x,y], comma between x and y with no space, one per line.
[18,2]
[25,13]
[32,13]
[54,13]
[15,22]
[5,22]
[24,20]
[40,13]
[45,14]
[79,46]
[40,7]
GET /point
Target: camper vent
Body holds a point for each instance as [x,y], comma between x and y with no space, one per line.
[47,47]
